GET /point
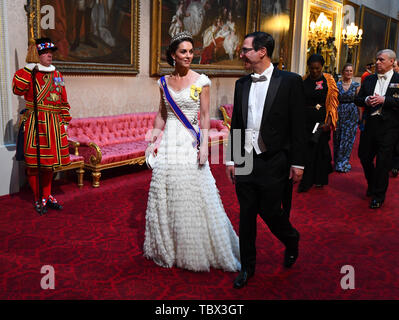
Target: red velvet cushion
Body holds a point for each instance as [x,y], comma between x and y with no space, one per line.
[229,109]
[123,151]
[75,158]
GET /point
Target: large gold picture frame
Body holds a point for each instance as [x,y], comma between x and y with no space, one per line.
[276,17]
[392,40]
[93,37]
[211,24]
[375,27]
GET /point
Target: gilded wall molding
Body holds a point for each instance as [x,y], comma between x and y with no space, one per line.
[333,10]
[6,123]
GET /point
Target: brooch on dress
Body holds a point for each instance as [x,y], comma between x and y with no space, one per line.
[195,91]
[319,85]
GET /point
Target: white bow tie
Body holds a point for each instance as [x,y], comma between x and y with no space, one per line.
[382,76]
[256,77]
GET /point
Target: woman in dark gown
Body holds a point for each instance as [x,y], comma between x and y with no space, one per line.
[321,98]
[348,118]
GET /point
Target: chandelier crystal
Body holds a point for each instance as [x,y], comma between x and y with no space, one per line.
[320,30]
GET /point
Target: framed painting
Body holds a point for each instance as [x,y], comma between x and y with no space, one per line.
[375,32]
[393,34]
[276,17]
[92,36]
[218,28]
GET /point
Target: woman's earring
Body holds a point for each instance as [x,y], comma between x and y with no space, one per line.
[174,62]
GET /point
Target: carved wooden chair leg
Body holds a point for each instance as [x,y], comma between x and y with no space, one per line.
[80,172]
[96,178]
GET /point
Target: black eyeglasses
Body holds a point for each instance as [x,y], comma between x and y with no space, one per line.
[246,50]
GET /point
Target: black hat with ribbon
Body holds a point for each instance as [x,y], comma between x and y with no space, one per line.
[43,44]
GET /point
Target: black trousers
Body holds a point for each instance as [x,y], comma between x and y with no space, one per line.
[262,192]
[377,142]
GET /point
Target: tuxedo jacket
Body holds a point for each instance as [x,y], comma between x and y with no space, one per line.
[390,108]
[283,120]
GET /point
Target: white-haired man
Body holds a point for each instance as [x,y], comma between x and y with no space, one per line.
[379,95]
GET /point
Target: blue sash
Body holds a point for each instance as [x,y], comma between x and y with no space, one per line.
[179,113]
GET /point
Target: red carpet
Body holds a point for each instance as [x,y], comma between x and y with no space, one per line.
[95,245]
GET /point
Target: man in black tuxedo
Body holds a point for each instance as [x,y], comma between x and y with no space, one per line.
[379,95]
[267,146]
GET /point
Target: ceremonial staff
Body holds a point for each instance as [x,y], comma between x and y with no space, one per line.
[34,71]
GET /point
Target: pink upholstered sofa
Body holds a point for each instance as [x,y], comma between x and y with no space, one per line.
[227,111]
[218,132]
[112,141]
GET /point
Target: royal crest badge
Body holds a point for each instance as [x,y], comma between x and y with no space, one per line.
[195,92]
[54,97]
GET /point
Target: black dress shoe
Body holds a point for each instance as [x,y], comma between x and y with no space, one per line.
[395,172]
[242,279]
[39,210]
[375,204]
[53,204]
[302,189]
[291,254]
[290,257]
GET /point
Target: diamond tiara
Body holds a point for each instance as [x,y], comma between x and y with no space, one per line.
[181,35]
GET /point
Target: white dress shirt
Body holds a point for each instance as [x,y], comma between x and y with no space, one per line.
[382,86]
[256,103]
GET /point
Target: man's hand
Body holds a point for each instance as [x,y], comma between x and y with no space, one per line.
[296,174]
[376,100]
[230,172]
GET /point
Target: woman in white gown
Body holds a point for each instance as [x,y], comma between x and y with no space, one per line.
[194,16]
[186,225]
[176,26]
[230,42]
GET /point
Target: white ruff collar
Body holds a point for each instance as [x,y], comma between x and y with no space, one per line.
[41,67]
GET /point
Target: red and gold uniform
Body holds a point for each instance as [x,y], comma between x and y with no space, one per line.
[53,115]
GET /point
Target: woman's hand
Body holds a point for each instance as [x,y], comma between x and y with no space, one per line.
[151,148]
[202,154]
[326,127]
